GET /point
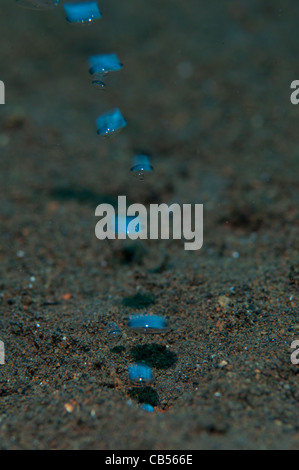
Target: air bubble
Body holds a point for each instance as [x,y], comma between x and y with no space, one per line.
[141,166]
[84,12]
[110,122]
[147,407]
[98,84]
[104,63]
[114,333]
[140,374]
[113,330]
[148,323]
[121,224]
[100,65]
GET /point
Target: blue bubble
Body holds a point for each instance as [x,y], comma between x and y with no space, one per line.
[140,374]
[38,4]
[114,331]
[110,122]
[104,63]
[147,407]
[98,84]
[120,225]
[84,12]
[141,165]
[148,323]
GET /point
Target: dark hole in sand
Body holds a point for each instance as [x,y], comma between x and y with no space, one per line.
[144,395]
[118,350]
[154,355]
[139,301]
[131,254]
[243,217]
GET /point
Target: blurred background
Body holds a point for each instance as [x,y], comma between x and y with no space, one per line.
[205,90]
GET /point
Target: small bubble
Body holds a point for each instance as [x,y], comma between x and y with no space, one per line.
[113,329]
[125,225]
[114,332]
[20,254]
[147,407]
[98,84]
[141,165]
[140,374]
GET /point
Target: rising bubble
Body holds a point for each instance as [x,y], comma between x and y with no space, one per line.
[147,407]
[98,84]
[104,63]
[100,65]
[126,225]
[140,374]
[141,166]
[110,122]
[83,12]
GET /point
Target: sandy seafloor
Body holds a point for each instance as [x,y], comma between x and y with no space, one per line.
[206,89]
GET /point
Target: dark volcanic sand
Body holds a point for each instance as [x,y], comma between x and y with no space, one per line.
[205,88]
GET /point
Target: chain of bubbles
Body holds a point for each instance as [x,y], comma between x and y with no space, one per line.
[109,123]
